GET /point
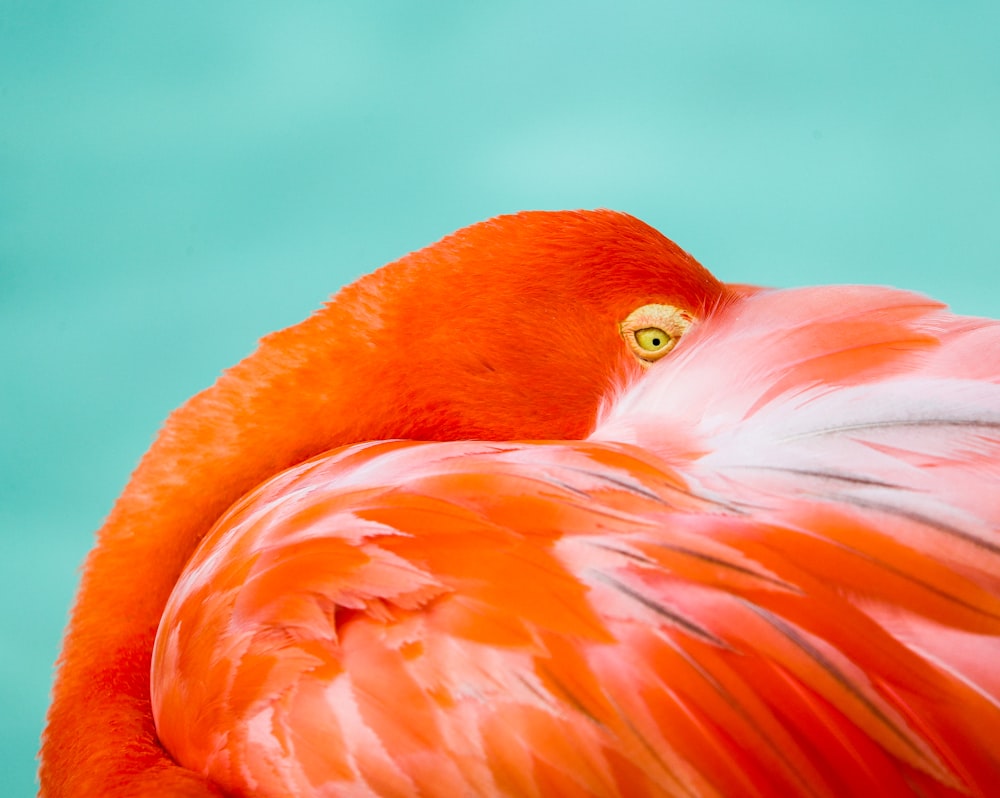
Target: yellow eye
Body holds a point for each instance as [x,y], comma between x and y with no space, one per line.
[653,330]
[652,339]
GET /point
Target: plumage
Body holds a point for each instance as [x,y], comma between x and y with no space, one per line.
[773,569]
[508,329]
[766,564]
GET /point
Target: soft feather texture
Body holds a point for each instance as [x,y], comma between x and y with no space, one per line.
[773,569]
[507,329]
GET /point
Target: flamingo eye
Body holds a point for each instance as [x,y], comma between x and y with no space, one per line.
[653,339]
[651,331]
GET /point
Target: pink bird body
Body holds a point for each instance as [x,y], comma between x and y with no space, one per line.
[772,569]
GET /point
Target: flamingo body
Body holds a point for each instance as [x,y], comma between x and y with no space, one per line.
[772,569]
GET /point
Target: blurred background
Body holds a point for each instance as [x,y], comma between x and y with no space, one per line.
[179,178]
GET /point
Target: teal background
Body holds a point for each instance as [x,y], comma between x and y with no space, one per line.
[179,178]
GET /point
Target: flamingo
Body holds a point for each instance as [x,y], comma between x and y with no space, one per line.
[757,552]
[507,330]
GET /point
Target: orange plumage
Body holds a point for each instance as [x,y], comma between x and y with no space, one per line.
[505,330]
[771,568]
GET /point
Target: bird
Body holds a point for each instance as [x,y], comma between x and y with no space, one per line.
[510,329]
[758,555]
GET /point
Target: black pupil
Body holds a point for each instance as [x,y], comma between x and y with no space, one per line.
[656,342]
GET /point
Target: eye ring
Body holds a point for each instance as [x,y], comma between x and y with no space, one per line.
[651,331]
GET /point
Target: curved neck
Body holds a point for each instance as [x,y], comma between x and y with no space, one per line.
[299,394]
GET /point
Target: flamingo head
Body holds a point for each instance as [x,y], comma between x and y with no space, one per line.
[518,326]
